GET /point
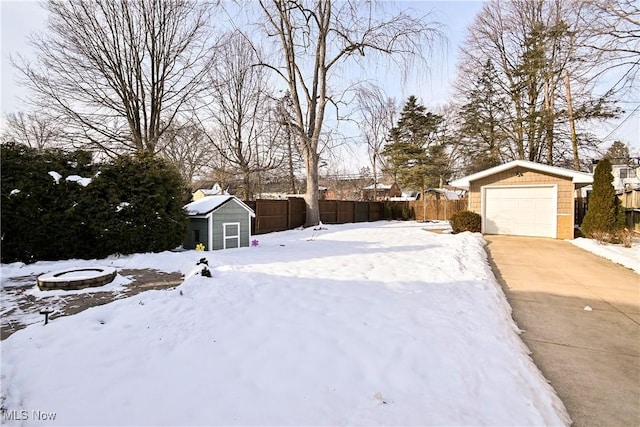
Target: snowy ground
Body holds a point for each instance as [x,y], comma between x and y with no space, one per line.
[361,324]
[628,257]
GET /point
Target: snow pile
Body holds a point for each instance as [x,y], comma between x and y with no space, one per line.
[628,257]
[56,176]
[79,180]
[71,178]
[362,324]
[122,206]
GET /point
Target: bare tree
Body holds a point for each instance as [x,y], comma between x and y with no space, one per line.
[377,113]
[186,146]
[534,45]
[293,157]
[120,72]
[242,111]
[613,38]
[37,131]
[314,38]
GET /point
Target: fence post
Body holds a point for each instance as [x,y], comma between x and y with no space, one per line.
[288,213]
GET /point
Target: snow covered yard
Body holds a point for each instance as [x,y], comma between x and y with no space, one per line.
[628,257]
[361,324]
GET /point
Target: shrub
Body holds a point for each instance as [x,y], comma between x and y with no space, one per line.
[605,214]
[601,237]
[38,220]
[466,221]
[625,237]
[133,205]
[137,205]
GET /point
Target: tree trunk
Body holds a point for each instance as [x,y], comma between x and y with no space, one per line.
[375,178]
[246,181]
[292,176]
[572,124]
[311,196]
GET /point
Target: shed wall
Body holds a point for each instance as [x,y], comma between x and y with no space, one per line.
[565,185]
[231,212]
[199,224]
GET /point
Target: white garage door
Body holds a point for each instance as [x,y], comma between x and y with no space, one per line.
[520,211]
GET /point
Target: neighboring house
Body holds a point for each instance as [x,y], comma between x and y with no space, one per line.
[381,191]
[525,198]
[216,190]
[442,193]
[448,193]
[406,196]
[625,177]
[218,222]
[343,188]
[626,181]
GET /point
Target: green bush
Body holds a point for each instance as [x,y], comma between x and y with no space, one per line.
[133,205]
[137,202]
[36,222]
[605,214]
[466,221]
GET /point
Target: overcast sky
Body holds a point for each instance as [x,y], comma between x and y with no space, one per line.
[21,18]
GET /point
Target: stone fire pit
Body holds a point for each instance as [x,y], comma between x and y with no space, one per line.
[77,278]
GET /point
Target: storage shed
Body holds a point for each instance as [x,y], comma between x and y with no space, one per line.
[218,222]
[524,198]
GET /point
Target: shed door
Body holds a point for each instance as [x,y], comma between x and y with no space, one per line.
[231,235]
[520,211]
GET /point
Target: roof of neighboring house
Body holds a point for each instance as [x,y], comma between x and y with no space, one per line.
[379,187]
[208,204]
[577,177]
[213,191]
[448,194]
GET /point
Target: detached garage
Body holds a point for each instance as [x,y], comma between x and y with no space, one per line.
[525,198]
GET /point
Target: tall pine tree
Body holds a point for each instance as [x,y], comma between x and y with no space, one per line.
[408,153]
[481,132]
[618,153]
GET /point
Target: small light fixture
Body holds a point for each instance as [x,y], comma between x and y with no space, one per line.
[518,173]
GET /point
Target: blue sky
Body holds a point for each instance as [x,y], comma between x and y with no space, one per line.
[21,18]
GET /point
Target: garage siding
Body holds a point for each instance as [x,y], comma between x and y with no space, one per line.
[565,215]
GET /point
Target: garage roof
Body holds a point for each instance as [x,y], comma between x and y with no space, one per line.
[578,178]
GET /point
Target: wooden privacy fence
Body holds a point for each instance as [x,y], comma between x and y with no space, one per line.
[280,215]
[436,209]
[344,211]
[277,215]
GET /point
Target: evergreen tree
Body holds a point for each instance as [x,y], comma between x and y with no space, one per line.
[409,151]
[605,214]
[481,133]
[618,153]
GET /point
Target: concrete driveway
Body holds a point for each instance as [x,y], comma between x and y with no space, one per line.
[591,357]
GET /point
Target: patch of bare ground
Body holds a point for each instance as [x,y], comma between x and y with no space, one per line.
[25,307]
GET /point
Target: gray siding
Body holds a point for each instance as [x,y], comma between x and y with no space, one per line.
[199,225]
[230,212]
